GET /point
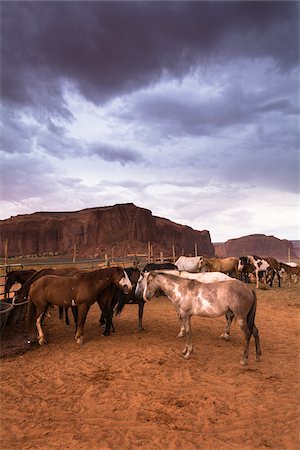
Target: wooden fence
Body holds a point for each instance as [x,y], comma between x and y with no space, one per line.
[135,260]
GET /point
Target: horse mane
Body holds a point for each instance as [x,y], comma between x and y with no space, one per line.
[95,275]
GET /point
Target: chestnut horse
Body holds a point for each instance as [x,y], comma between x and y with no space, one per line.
[191,297]
[22,294]
[224,265]
[81,290]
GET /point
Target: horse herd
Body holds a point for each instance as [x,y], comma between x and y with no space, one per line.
[196,286]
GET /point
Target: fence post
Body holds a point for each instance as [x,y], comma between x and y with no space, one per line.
[5,251]
[289,255]
[161,257]
[106,260]
[196,249]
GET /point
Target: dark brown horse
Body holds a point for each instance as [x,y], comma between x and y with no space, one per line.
[81,290]
[113,299]
[16,276]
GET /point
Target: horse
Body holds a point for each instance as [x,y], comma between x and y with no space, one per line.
[224,265]
[191,297]
[260,266]
[16,276]
[159,266]
[126,299]
[244,269]
[290,270]
[82,289]
[22,294]
[272,270]
[113,299]
[189,263]
[206,277]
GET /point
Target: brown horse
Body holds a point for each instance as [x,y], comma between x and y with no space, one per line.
[22,294]
[224,265]
[290,270]
[16,276]
[81,290]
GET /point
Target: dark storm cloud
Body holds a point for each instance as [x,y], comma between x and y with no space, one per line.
[111,153]
[108,48]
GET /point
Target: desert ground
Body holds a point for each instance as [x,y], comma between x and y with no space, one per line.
[134,390]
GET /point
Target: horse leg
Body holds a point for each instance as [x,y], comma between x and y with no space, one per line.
[67,317]
[74,310]
[60,312]
[82,313]
[140,317]
[186,320]
[257,343]
[108,323]
[182,327]
[247,334]
[272,276]
[278,276]
[39,317]
[229,318]
[102,319]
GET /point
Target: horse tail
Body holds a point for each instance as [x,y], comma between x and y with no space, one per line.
[31,314]
[251,313]
[121,302]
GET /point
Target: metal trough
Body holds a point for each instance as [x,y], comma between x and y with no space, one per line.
[5,311]
[18,313]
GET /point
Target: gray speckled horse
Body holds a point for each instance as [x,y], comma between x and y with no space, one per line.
[193,298]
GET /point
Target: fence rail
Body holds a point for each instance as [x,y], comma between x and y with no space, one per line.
[128,260]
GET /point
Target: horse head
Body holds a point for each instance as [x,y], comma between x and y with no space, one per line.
[124,281]
[141,284]
[150,288]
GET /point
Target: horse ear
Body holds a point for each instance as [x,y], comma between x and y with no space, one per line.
[150,276]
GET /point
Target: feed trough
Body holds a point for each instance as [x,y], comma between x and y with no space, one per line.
[18,313]
[5,311]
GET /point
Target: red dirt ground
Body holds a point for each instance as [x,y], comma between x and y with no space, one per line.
[134,390]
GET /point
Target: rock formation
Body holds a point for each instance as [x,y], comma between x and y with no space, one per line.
[257,244]
[121,229]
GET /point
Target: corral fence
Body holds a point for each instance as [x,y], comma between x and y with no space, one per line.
[126,261]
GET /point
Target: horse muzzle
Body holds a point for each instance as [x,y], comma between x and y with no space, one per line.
[127,289]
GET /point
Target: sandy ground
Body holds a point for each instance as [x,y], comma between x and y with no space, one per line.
[135,390]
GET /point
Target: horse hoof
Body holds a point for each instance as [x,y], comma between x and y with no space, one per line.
[42,341]
[225,336]
[180,335]
[243,362]
[258,358]
[79,340]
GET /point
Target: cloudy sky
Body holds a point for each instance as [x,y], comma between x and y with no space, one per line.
[189,109]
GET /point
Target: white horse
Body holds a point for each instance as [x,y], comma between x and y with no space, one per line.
[205,277]
[191,297]
[189,263]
